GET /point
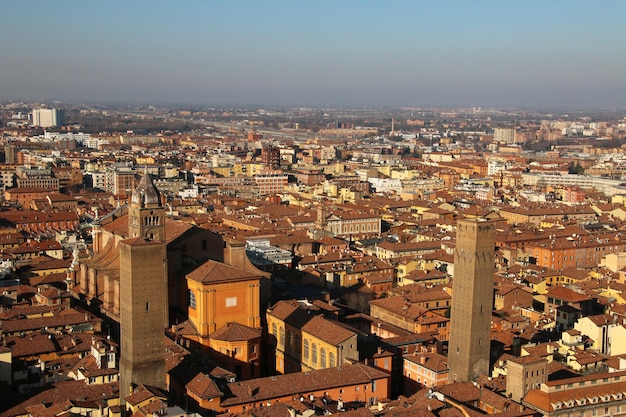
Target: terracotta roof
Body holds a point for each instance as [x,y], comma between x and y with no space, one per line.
[173,228]
[294,313]
[61,392]
[235,332]
[65,318]
[327,330]
[566,294]
[215,272]
[144,392]
[204,387]
[432,361]
[400,306]
[262,389]
[546,401]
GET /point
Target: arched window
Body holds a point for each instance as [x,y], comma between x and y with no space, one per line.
[331,360]
[274,330]
[323,358]
[306,349]
[282,337]
[314,353]
[192,299]
[289,345]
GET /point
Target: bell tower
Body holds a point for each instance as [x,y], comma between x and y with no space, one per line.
[143,291]
[147,215]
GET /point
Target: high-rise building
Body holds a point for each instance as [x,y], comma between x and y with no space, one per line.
[472,299]
[48,117]
[143,291]
[270,155]
[504,135]
[10,153]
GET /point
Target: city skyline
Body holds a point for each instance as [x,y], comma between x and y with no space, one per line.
[530,54]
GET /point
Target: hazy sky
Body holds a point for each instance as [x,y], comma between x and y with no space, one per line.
[342,52]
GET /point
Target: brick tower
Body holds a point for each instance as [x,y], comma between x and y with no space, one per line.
[143,291]
[472,300]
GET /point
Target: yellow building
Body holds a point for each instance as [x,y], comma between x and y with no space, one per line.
[304,340]
[220,294]
[224,310]
[326,344]
[403,269]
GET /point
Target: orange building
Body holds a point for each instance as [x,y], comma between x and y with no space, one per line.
[238,348]
[220,294]
[24,196]
[575,251]
[424,370]
[224,308]
[342,384]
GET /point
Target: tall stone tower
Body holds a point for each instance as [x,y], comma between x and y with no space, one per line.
[143,291]
[472,299]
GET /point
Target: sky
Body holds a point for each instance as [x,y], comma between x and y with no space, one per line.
[500,53]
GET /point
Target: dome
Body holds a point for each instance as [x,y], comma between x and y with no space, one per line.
[146,193]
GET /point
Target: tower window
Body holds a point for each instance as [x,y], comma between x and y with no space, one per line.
[192,299]
[147,306]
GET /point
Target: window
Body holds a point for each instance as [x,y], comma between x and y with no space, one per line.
[282,337]
[314,353]
[323,357]
[306,349]
[192,299]
[274,329]
[331,360]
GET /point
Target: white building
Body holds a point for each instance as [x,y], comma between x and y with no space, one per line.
[98,179]
[48,117]
[504,135]
[385,185]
